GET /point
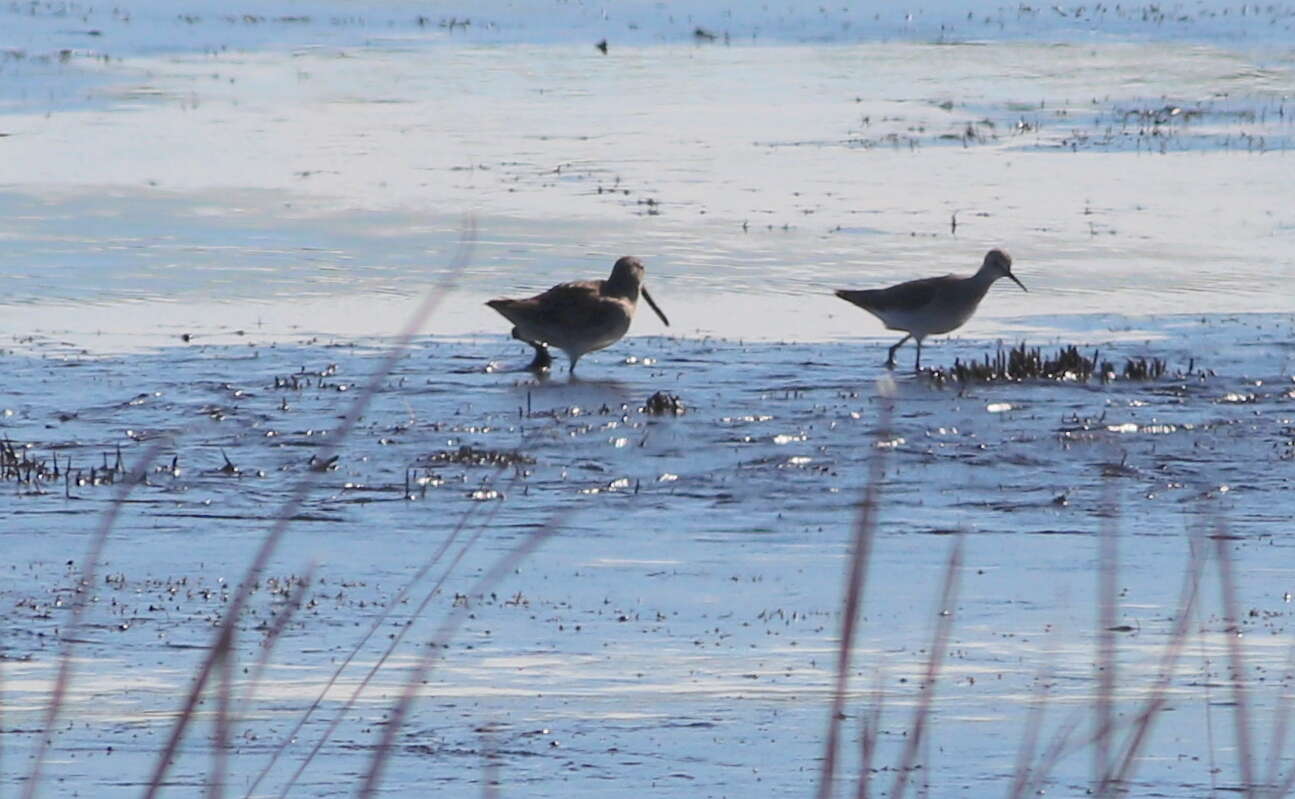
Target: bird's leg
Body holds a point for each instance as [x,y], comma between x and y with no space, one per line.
[542,360]
[571,370]
[890,362]
[918,367]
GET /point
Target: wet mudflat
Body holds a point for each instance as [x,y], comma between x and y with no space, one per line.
[677,635]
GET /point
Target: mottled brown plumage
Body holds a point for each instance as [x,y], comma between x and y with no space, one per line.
[932,305]
[579,317]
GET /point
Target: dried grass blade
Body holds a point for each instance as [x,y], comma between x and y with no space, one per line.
[1281,728]
[272,636]
[294,502]
[868,739]
[89,571]
[1021,774]
[1145,719]
[220,744]
[1232,629]
[865,528]
[1107,611]
[1057,748]
[439,641]
[939,645]
[391,646]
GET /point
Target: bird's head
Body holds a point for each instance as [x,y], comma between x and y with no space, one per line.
[999,264]
[627,276]
[628,271]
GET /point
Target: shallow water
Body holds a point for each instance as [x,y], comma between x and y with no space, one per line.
[282,187]
[679,630]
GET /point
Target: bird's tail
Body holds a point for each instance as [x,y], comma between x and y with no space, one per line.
[859,298]
[505,307]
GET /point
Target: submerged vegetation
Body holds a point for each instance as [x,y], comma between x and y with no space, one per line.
[662,403]
[38,475]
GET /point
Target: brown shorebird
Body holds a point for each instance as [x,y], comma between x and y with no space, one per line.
[578,317]
[932,305]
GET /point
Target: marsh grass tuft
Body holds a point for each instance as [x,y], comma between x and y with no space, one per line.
[33,475]
[1015,364]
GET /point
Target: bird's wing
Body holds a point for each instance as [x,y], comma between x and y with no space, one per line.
[904,296]
[566,305]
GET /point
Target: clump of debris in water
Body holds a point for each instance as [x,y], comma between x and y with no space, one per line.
[662,403]
[471,456]
[1015,364]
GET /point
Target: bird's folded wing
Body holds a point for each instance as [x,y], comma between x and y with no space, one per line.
[913,294]
[564,305]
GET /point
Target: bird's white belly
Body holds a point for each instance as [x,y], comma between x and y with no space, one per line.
[931,319]
[581,339]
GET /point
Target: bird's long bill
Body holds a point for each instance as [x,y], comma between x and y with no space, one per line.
[652,302]
[1017,282]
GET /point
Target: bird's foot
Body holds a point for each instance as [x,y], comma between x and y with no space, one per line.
[542,362]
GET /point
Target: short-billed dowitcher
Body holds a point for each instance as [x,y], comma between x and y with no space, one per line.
[579,317]
[932,305]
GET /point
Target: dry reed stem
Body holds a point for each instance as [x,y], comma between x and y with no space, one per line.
[1057,748]
[220,744]
[435,647]
[1232,629]
[391,646]
[1280,730]
[939,644]
[865,528]
[924,790]
[1033,725]
[1212,765]
[274,634]
[374,626]
[283,518]
[1146,718]
[871,729]
[1107,611]
[86,584]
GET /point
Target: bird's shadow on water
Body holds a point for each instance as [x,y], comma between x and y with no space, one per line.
[574,390]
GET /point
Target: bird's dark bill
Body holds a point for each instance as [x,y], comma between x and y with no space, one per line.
[1017,282]
[651,302]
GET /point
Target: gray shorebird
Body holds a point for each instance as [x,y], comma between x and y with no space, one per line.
[932,305]
[578,317]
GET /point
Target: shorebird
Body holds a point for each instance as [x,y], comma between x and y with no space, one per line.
[932,305]
[578,317]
